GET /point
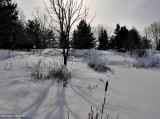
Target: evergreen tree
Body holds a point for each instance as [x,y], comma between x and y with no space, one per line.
[112,43]
[145,43]
[34,34]
[134,40]
[124,32]
[103,40]
[115,39]
[121,35]
[50,38]
[8,21]
[83,37]
[20,41]
[117,36]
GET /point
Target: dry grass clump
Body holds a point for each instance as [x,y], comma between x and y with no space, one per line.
[60,75]
[40,72]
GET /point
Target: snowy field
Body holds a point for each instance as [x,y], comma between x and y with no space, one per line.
[133,92]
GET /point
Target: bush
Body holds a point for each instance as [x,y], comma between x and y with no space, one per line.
[36,71]
[139,65]
[62,74]
[99,68]
[98,64]
[147,64]
[141,52]
[43,72]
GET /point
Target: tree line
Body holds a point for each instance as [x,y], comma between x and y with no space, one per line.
[17,34]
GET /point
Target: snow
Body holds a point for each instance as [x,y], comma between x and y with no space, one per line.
[133,93]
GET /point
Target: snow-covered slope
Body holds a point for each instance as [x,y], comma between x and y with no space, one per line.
[133,93]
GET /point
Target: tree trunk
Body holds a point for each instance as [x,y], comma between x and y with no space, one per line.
[65,60]
[64,56]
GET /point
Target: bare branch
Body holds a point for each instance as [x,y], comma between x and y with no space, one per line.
[66,13]
[153,32]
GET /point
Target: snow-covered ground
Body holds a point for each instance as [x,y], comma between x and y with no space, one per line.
[133,93]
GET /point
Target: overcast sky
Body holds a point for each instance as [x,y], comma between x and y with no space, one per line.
[138,13]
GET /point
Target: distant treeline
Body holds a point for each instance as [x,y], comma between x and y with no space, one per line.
[38,33]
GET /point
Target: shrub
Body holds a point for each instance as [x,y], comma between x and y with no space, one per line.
[147,64]
[139,65]
[141,52]
[98,64]
[36,71]
[99,68]
[43,72]
[62,74]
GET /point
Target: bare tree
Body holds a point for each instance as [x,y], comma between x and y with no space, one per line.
[21,15]
[42,19]
[146,33]
[154,33]
[46,27]
[66,13]
[97,31]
